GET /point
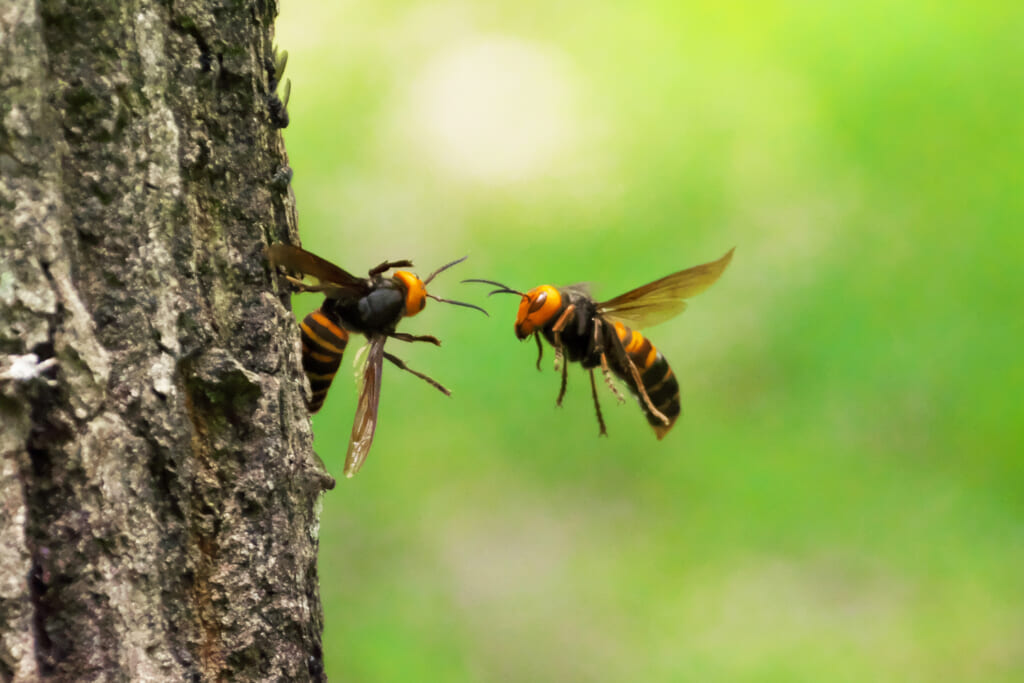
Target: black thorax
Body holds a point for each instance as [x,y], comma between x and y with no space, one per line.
[376,312]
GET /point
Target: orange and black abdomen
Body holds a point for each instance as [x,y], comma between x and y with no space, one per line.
[323,344]
[657,377]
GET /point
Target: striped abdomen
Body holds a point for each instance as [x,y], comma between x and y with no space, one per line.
[656,376]
[323,344]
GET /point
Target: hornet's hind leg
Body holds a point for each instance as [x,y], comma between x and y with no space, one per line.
[643,392]
[630,367]
[597,404]
[398,362]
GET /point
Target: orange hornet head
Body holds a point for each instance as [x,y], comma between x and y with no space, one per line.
[537,308]
[415,292]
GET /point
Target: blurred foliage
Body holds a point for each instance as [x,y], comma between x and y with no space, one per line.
[843,498]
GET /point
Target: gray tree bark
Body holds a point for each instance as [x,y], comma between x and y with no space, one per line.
[158,490]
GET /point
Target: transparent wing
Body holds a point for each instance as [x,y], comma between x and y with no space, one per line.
[300,260]
[580,287]
[663,299]
[366,412]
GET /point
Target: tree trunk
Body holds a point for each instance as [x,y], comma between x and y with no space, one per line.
[158,490]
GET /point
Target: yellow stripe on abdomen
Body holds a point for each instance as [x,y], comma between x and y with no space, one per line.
[323,344]
[656,376]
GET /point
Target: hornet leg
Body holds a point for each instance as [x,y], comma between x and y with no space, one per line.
[597,404]
[560,324]
[387,265]
[643,392]
[605,370]
[635,374]
[401,364]
[557,328]
[301,286]
[565,378]
[402,336]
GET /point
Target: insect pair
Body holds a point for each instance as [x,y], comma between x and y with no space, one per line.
[595,334]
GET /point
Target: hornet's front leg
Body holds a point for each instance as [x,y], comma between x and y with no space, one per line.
[556,329]
[561,323]
[432,382]
[387,265]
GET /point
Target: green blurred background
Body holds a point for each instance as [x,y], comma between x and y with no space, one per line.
[843,498]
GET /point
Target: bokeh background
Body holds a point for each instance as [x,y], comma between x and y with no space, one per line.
[843,498]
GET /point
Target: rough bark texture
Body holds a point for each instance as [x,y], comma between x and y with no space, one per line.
[158,491]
